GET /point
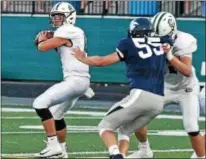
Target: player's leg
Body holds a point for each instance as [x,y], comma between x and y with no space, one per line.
[202,106]
[140,122]
[58,112]
[190,107]
[41,104]
[58,93]
[144,146]
[202,100]
[107,133]
[132,108]
[78,86]
[124,140]
[141,134]
[127,129]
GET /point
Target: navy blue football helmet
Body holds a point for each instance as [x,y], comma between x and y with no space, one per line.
[140,27]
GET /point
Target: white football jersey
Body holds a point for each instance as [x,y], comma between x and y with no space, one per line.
[185,44]
[70,65]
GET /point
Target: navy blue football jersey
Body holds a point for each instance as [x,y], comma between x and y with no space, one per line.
[145,63]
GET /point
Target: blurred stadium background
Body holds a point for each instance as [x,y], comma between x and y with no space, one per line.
[26,72]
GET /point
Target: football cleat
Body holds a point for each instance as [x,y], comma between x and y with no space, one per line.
[194,155]
[64,151]
[142,153]
[51,150]
[117,156]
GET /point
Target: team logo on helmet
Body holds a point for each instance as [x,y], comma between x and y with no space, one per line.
[133,24]
[171,23]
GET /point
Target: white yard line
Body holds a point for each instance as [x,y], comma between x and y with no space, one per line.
[92,153]
[92,113]
[93,129]
[42,132]
[96,115]
[36,117]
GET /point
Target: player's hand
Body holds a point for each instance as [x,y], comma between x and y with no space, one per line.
[166,47]
[80,55]
[41,36]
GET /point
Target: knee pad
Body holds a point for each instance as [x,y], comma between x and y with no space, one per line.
[60,124]
[104,126]
[123,137]
[44,114]
[193,134]
[101,131]
[41,103]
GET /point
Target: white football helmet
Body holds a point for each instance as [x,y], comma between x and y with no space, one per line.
[66,11]
[164,23]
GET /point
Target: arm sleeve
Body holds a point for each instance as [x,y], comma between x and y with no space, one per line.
[122,50]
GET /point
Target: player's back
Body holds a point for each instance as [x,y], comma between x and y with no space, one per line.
[145,63]
[70,65]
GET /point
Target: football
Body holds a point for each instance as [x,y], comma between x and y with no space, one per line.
[49,34]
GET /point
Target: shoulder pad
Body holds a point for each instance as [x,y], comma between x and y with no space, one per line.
[68,32]
[184,40]
[185,44]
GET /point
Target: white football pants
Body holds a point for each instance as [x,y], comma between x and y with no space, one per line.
[62,96]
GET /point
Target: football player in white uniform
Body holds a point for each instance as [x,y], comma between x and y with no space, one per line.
[54,102]
[181,87]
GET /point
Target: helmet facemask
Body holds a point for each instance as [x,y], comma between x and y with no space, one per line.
[57,20]
[140,34]
[62,13]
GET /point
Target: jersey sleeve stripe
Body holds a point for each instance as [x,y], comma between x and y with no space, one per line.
[120,53]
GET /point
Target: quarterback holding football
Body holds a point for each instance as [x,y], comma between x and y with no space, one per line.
[58,99]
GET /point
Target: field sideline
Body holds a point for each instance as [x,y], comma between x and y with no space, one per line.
[21,128]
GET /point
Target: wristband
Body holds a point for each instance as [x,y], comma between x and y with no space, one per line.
[169,56]
[40,41]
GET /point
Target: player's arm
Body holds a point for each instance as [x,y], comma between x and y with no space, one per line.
[51,44]
[182,64]
[119,55]
[46,44]
[98,61]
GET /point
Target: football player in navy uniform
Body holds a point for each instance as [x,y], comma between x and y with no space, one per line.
[145,63]
[181,87]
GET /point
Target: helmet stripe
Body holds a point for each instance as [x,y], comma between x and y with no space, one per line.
[159,20]
[154,21]
[58,5]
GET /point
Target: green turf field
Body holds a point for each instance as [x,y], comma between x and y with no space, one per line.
[23,135]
